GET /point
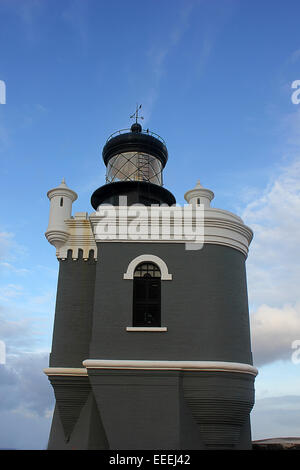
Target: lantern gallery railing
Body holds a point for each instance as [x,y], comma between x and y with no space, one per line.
[147,132]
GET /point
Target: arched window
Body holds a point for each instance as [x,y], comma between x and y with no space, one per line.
[146,295]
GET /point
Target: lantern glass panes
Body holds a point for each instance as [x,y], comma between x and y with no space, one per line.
[134,166]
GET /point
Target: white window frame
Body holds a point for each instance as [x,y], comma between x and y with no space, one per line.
[165,275]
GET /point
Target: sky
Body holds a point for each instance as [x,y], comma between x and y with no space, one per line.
[214,78]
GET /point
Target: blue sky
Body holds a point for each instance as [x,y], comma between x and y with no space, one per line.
[214,79]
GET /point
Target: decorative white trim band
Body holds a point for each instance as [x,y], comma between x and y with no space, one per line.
[171,365]
[165,276]
[217,226]
[71,371]
[146,328]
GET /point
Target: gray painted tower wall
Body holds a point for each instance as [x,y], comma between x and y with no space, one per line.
[166,400]
[204,308]
[73,312]
[206,314]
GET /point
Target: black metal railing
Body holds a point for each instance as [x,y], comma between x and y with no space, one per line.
[147,132]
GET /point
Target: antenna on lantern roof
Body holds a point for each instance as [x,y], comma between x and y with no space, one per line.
[136,114]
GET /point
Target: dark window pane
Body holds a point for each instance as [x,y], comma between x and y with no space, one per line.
[140,290]
[147,268]
[154,290]
[146,295]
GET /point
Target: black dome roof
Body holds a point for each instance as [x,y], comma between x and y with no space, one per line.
[135,141]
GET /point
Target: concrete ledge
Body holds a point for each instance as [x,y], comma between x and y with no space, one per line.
[74,371]
[171,365]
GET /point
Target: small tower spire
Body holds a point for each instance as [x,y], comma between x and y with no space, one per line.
[199,195]
[63,183]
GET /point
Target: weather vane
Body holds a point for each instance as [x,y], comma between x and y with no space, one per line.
[136,114]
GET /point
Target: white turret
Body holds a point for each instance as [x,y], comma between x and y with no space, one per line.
[61,199]
[199,195]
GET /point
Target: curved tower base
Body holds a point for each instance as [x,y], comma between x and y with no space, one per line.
[158,407]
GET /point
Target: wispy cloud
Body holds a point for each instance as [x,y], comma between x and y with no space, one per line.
[10,249]
[158,54]
[161,50]
[13,269]
[28,14]
[209,25]
[294,56]
[290,128]
[9,291]
[6,241]
[75,15]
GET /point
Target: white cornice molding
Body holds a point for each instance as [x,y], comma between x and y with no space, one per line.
[200,366]
[218,227]
[62,192]
[67,371]
[171,365]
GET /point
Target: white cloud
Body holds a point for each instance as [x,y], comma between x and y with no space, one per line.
[273,266]
[273,276]
[26,318]
[27,299]
[9,248]
[26,402]
[29,388]
[273,331]
[19,334]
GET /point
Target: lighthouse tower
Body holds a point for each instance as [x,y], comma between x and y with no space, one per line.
[151,343]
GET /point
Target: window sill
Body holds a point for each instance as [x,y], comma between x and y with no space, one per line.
[147,328]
